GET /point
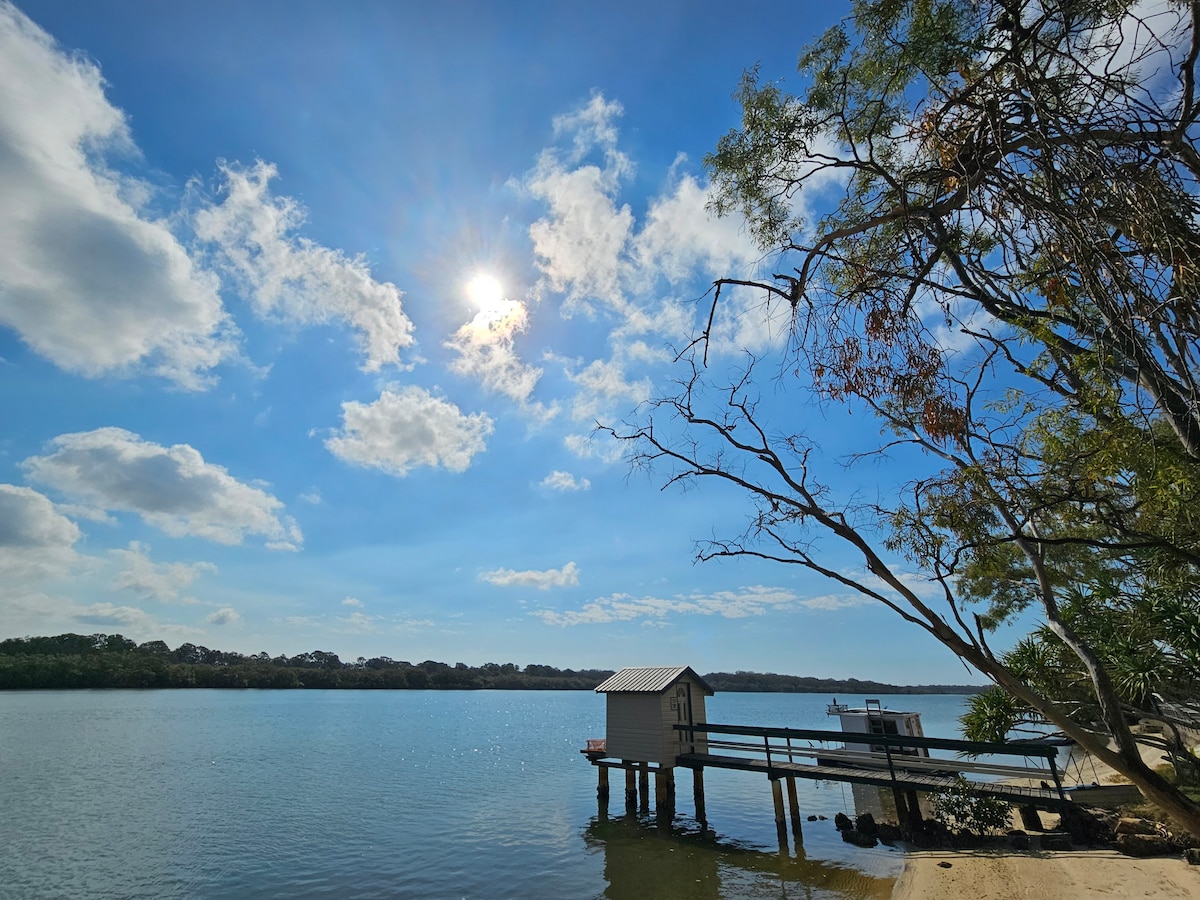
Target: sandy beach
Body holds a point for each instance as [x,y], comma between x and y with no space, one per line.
[1046,875]
[1034,875]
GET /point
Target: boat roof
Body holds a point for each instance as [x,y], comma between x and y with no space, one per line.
[649,680]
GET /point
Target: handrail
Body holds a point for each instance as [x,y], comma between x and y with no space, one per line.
[1050,751]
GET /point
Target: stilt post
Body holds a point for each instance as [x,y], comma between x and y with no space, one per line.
[794,809]
[698,795]
[644,785]
[780,819]
[630,790]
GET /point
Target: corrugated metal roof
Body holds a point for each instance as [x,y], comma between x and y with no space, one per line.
[649,680]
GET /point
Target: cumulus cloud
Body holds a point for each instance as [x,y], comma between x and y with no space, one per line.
[88,278]
[290,276]
[486,352]
[352,601]
[35,539]
[171,488]
[567,576]
[226,615]
[746,602]
[155,581]
[409,428]
[565,481]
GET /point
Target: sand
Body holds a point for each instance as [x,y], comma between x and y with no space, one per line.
[1046,875]
[1062,875]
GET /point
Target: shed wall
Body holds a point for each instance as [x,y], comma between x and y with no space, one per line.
[634,727]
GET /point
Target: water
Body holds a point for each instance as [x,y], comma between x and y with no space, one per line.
[256,794]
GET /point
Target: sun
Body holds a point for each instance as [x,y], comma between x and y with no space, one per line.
[486,292]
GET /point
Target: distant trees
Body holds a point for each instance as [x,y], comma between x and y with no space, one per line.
[114,661]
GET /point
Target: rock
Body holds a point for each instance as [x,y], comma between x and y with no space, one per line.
[812,818]
[923,839]
[1018,839]
[965,839]
[1192,855]
[1056,840]
[850,836]
[865,824]
[1084,826]
[1135,826]
[889,832]
[944,864]
[1142,845]
[1031,819]
[842,822]
[822,818]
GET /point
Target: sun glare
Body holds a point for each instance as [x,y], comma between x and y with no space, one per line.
[485,291]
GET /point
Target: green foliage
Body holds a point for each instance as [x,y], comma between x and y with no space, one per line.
[1023,173]
[958,807]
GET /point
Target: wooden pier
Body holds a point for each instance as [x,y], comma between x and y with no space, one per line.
[655,723]
[785,754]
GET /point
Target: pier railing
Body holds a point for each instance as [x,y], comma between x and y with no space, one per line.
[899,751]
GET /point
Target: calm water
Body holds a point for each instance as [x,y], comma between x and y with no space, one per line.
[164,794]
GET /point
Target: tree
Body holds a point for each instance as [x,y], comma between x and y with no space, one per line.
[1020,176]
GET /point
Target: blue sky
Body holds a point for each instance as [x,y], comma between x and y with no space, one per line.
[308,312]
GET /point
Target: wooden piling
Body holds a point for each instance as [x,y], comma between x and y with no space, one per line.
[644,785]
[602,784]
[630,790]
[698,795]
[780,819]
[662,793]
[794,809]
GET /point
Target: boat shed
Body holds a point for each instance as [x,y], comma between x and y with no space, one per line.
[644,706]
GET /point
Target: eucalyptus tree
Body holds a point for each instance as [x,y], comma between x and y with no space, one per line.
[1007,276]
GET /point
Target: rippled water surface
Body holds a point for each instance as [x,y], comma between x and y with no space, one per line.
[161,794]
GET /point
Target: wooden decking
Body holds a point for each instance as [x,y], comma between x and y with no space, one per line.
[906,780]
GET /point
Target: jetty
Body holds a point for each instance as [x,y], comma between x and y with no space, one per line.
[655,723]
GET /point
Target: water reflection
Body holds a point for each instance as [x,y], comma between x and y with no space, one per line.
[642,858]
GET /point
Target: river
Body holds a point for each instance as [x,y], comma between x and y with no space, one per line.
[421,794]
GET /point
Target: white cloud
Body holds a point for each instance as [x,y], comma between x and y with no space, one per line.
[579,243]
[226,615]
[157,581]
[486,352]
[87,278]
[604,385]
[746,602]
[357,623]
[409,428]
[565,481]
[595,446]
[313,497]
[291,276]
[35,539]
[567,576]
[352,601]
[171,488]
[679,237]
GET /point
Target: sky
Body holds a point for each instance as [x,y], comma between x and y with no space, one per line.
[309,311]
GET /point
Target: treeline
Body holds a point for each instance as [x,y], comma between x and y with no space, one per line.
[853,689]
[114,661]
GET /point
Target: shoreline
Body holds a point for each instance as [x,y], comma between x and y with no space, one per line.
[1042,875]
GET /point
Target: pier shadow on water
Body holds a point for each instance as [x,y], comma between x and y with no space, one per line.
[677,860]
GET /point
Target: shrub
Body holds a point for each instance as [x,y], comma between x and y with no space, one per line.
[959,807]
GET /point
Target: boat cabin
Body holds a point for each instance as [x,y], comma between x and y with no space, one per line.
[644,705]
[874,718]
